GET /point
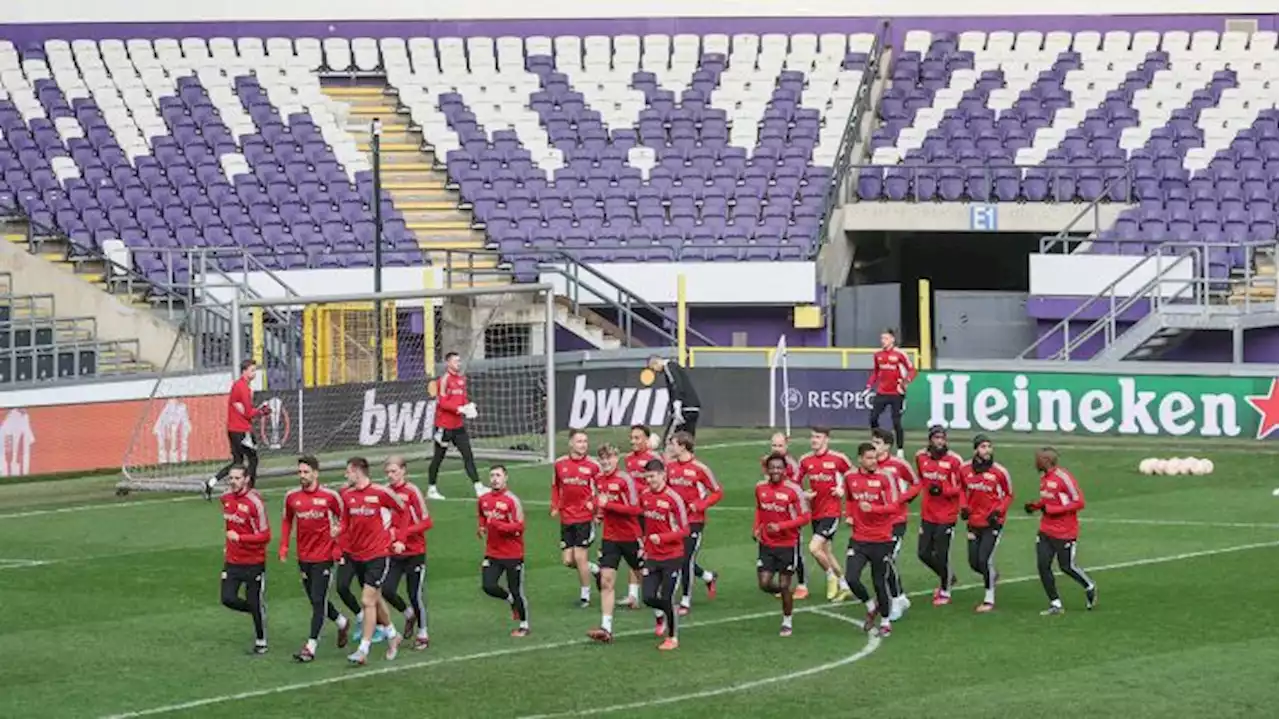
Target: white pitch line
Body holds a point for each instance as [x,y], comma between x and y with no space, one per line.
[408,666]
[873,643]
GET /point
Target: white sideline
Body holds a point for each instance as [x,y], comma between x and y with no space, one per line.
[358,674]
[873,643]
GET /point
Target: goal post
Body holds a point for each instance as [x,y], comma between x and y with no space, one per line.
[353,374]
[779,388]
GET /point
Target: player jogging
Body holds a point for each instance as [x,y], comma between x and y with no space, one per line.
[501,525]
[939,471]
[618,500]
[573,495]
[453,409]
[240,416]
[370,541]
[666,526]
[1060,503]
[908,488]
[779,444]
[316,511]
[634,463]
[873,502]
[411,562]
[891,372]
[824,468]
[248,533]
[988,491]
[781,510]
[699,489]
[684,405]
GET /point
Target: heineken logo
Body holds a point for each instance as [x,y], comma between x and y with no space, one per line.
[1142,405]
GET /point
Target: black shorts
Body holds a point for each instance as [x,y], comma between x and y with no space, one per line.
[613,554]
[580,535]
[372,572]
[825,527]
[243,572]
[449,436]
[895,403]
[501,565]
[899,531]
[312,571]
[1055,544]
[407,563]
[777,560]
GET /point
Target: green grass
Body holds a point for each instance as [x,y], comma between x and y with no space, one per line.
[122,614]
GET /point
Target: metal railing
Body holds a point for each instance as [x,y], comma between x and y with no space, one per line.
[58,360]
[1114,177]
[1064,236]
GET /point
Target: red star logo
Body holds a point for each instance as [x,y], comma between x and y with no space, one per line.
[1268,407]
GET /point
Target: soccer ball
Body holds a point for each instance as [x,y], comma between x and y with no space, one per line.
[1148,465]
[1173,467]
[1180,465]
[1160,466]
[654,441]
[1207,466]
[1190,465]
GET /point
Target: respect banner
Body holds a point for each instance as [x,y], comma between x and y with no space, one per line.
[1096,404]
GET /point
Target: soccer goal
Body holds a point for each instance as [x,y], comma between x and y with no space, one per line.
[346,375]
[780,389]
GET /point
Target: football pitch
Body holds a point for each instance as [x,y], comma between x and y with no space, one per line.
[110,609]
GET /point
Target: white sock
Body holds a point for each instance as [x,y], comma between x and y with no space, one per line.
[390,631]
[944,593]
[524,624]
[990,596]
[584,593]
[311,646]
[633,591]
[364,646]
[786,620]
[606,623]
[260,642]
[1056,603]
[593,568]
[657,614]
[341,621]
[409,613]
[213,481]
[422,632]
[478,487]
[884,622]
[707,575]
[831,573]
[871,607]
[360,617]
[686,601]
[844,584]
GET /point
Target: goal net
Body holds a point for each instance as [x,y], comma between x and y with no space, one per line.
[338,377]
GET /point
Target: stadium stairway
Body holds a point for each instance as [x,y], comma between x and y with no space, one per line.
[418,189]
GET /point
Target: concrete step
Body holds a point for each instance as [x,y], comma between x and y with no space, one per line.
[414,217]
[436,226]
[425,205]
[419,196]
[391,148]
[417,183]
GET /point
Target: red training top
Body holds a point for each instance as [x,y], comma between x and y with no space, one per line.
[697,486]
[986,492]
[891,372]
[635,461]
[782,504]
[620,506]
[417,519]
[246,515]
[665,516]
[501,518]
[880,492]
[366,528]
[314,511]
[942,472]
[908,485]
[242,394]
[824,471]
[573,488]
[451,394]
[1061,500]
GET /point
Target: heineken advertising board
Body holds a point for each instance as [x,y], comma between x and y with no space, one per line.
[1139,405]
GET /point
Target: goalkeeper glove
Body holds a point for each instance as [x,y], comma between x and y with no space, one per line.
[964,514]
[935,490]
[468,410]
[993,520]
[1029,508]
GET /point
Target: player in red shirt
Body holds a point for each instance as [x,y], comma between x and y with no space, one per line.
[1060,503]
[641,452]
[872,503]
[573,500]
[824,469]
[453,408]
[666,526]
[939,471]
[316,510]
[988,491]
[411,562]
[248,532]
[908,489]
[501,525]
[618,500]
[891,372]
[781,510]
[369,540]
[240,416]
[699,489]
[779,444]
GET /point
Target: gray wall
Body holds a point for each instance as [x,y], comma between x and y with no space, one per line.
[981,324]
[863,311]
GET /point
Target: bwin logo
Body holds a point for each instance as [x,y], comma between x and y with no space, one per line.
[615,406]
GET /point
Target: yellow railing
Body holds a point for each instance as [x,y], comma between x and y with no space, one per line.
[767,353]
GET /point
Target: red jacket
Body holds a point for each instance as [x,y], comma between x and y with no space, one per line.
[986,492]
[501,518]
[573,489]
[635,461]
[782,504]
[878,490]
[241,393]
[944,473]
[451,394]
[246,515]
[417,519]
[665,515]
[621,508]
[365,531]
[314,511]
[825,472]
[697,486]
[1061,501]
[908,484]
[891,372]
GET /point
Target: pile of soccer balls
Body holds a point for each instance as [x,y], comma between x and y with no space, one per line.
[1176,466]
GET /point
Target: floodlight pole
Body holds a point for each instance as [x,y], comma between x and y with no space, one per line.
[375,142]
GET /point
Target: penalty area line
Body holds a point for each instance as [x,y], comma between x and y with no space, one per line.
[493,654]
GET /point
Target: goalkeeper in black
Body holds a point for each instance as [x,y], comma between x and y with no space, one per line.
[684,407]
[453,408]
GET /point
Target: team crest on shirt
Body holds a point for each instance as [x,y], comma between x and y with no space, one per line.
[242,507]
